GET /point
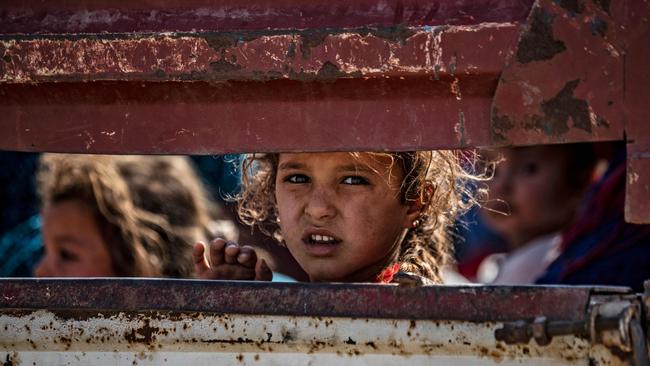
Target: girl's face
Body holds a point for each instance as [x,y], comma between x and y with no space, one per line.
[341,216]
[74,246]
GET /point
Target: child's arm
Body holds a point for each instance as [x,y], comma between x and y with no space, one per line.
[229,261]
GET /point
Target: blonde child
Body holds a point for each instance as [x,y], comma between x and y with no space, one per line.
[125,216]
[346,217]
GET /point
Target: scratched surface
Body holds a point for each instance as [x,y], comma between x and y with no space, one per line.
[123,16]
[217,77]
[155,338]
[564,80]
[154,321]
[579,73]
[468,303]
[637,79]
[197,94]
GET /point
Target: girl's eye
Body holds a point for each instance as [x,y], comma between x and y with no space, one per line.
[354,180]
[68,256]
[297,178]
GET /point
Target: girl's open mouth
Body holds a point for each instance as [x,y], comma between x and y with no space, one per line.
[321,243]
[317,239]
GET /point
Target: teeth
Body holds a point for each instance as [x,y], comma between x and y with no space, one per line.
[322,238]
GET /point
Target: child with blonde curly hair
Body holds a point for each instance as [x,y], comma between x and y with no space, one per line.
[125,216]
[346,217]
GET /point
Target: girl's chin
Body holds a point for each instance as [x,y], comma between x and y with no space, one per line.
[325,276]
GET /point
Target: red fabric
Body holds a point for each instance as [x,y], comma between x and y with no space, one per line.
[386,276]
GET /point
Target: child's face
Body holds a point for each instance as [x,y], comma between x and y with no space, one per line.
[74,246]
[341,216]
[532,181]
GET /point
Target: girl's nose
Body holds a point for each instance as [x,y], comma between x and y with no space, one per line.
[320,205]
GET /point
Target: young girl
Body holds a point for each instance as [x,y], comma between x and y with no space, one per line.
[125,216]
[346,217]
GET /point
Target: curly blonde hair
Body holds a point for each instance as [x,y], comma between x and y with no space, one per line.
[438,180]
[150,209]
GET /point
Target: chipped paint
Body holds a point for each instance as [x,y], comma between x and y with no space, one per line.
[153,321]
[537,42]
[254,55]
[151,337]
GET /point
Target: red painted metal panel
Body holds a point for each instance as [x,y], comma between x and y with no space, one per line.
[259,56]
[122,16]
[287,75]
[478,304]
[207,118]
[564,81]
[357,90]
[637,79]
[579,73]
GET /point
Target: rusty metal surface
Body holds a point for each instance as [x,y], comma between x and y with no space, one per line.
[154,321]
[114,77]
[579,73]
[259,55]
[218,77]
[637,79]
[144,338]
[477,303]
[64,16]
[359,89]
[565,79]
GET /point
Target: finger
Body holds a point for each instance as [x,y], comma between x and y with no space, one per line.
[238,273]
[262,271]
[198,258]
[216,250]
[231,252]
[247,257]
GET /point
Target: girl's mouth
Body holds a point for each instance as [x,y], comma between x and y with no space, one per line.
[321,239]
[320,243]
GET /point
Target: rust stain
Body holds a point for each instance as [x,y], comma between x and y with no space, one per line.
[574,7]
[145,334]
[244,55]
[537,42]
[598,26]
[461,130]
[11,360]
[501,124]
[557,111]
[312,38]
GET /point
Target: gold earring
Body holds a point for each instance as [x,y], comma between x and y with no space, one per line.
[415,223]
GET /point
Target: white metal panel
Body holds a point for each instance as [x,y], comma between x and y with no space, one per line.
[45,337]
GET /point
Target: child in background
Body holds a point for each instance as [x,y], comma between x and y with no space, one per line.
[600,248]
[346,217]
[120,215]
[534,194]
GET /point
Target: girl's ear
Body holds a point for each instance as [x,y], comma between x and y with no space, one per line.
[417,206]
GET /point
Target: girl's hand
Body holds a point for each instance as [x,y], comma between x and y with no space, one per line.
[227,260]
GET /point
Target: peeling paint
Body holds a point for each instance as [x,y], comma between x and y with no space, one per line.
[501,124]
[598,27]
[147,337]
[537,42]
[574,7]
[558,111]
[460,130]
[245,55]
[455,89]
